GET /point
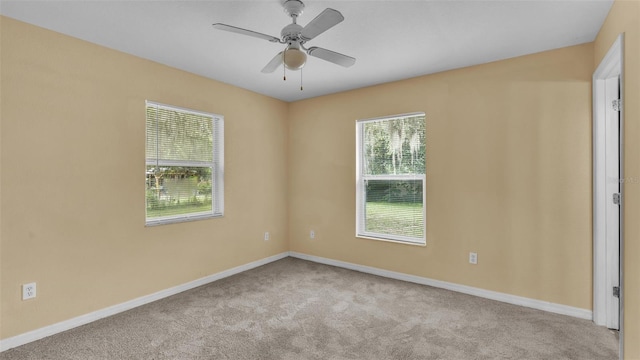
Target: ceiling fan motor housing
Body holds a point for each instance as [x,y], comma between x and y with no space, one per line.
[291,32]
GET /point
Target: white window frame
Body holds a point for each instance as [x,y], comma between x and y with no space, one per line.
[362,178]
[217,169]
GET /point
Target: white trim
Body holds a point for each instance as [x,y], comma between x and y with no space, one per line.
[373,237]
[488,294]
[43,332]
[611,66]
[403,177]
[216,164]
[189,163]
[392,117]
[360,215]
[172,219]
[182,109]
[46,331]
[362,233]
[218,189]
[362,178]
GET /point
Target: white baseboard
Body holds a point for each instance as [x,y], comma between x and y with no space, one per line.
[488,294]
[37,334]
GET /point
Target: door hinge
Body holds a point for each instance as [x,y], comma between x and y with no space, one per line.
[617,198]
[617,104]
[616,291]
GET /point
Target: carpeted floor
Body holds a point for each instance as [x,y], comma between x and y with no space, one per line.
[294,309]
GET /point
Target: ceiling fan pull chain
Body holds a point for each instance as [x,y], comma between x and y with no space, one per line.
[300,79]
[284,68]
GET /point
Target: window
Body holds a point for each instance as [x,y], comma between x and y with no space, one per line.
[390,162]
[184,164]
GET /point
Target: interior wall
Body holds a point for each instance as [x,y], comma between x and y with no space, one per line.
[73,211]
[508,176]
[624,17]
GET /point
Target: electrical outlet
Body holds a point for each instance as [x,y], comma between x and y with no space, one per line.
[312,234]
[28,291]
[473,258]
[266,236]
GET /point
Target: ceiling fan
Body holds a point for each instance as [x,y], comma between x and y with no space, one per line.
[294,56]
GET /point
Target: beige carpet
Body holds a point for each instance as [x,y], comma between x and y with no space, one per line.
[294,309]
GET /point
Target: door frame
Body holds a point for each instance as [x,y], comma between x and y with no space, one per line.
[611,66]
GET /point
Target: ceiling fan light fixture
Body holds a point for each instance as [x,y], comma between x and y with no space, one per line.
[294,58]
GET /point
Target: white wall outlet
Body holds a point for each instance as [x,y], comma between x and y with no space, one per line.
[473,258]
[312,234]
[28,291]
[266,236]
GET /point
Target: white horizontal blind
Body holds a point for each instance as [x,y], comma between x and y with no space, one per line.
[391,178]
[184,164]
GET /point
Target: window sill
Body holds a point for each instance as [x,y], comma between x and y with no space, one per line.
[164,221]
[403,242]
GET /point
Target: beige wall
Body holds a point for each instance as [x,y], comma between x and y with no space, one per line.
[624,17]
[508,175]
[72,193]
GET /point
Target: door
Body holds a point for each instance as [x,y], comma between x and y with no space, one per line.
[608,188]
[613,185]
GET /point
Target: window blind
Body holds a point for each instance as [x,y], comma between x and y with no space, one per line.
[184,158]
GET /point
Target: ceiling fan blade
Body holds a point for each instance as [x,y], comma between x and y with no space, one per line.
[273,64]
[331,56]
[242,31]
[323,22]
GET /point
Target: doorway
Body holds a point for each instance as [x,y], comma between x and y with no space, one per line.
[608,188]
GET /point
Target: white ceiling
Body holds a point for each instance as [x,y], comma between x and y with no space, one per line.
[391,40]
